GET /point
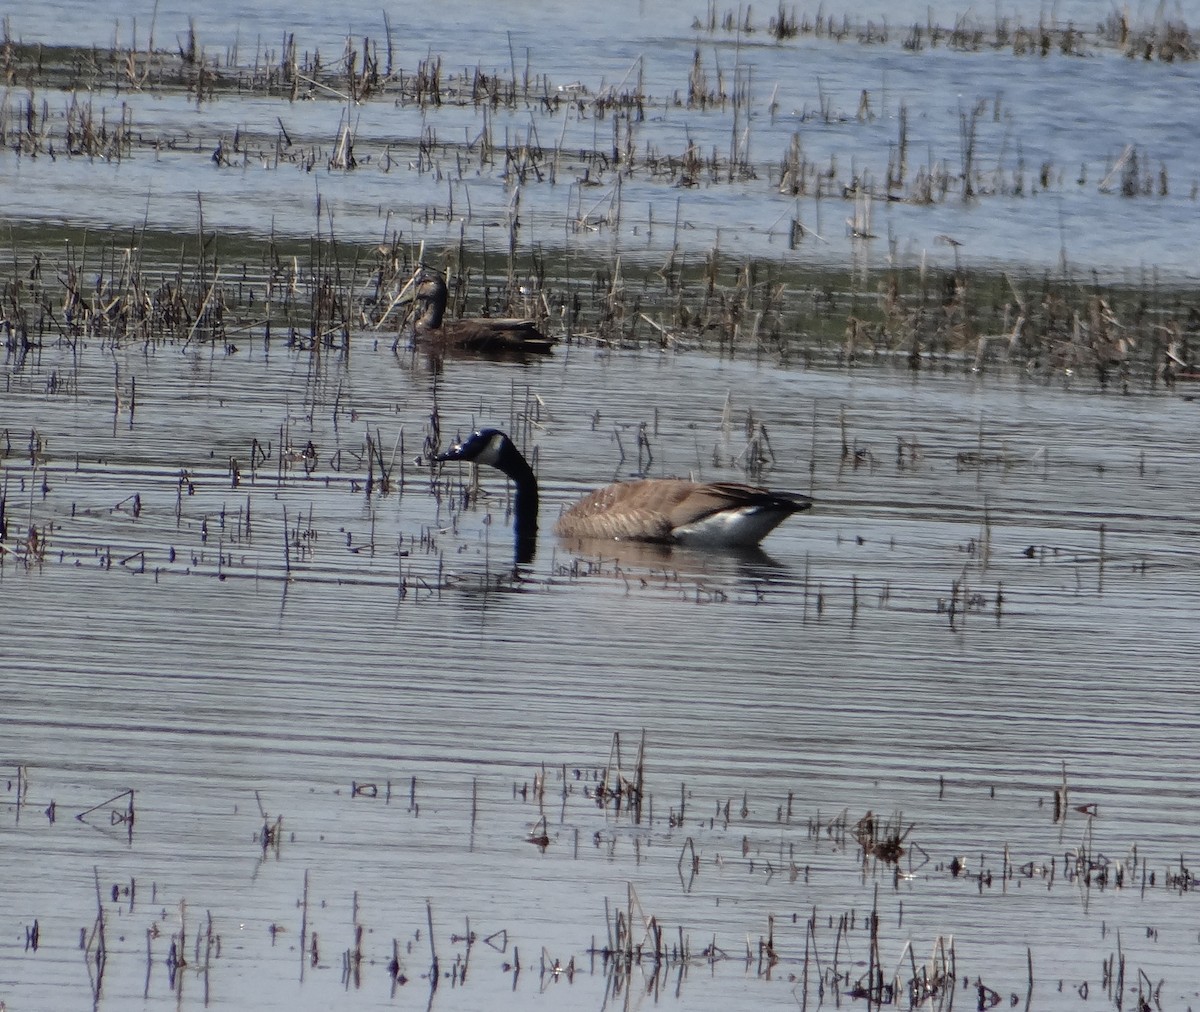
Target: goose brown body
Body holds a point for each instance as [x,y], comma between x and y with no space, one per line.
[501,336]
[673,509]
[664,510]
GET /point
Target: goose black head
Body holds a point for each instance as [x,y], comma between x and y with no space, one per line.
[483,446]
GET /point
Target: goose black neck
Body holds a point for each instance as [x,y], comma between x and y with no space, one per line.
[525,500]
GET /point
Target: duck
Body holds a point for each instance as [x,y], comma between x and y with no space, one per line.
[669,511]
[427,290]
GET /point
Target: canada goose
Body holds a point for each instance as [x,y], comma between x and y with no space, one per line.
[427,290]
[664,510]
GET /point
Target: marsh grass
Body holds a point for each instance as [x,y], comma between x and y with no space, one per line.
[325,293]
[44,114]
[231,290]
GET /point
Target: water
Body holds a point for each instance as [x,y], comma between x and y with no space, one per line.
[824,675]
[338,705]
[1049,139]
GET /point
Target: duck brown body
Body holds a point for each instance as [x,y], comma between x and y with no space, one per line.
[502,336]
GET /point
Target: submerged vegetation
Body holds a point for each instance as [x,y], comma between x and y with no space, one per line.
[882,942]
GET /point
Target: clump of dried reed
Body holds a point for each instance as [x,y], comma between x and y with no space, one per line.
[882,839]
[324,294]
[1157,38]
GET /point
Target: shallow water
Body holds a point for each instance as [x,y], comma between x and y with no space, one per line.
[166,653]
[335,699]
[1048,138]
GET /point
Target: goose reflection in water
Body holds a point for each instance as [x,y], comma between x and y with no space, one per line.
[661,511]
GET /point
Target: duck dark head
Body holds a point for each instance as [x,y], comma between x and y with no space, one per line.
[427,290]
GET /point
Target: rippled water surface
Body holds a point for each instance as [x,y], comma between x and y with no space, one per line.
[1078,162]
[179,651]
[282,726]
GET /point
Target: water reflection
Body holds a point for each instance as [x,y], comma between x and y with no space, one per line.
[621,559]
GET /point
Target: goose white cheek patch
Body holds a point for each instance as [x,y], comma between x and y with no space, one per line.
[491,452]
